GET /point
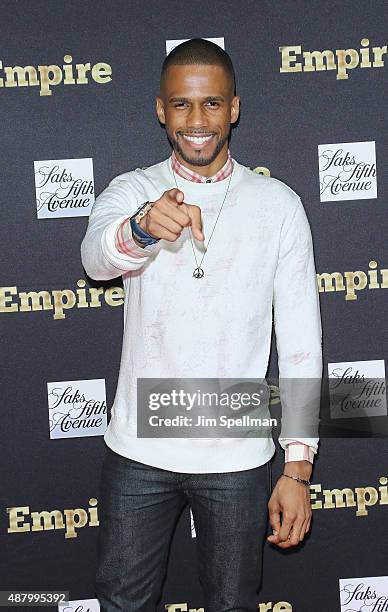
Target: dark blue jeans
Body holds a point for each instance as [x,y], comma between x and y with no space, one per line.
[139,508]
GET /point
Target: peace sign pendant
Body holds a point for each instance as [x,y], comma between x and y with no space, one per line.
[198,273]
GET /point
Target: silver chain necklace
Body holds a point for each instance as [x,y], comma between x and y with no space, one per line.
[198,271]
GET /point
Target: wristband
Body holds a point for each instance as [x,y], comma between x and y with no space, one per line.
[140,235]
[307,483]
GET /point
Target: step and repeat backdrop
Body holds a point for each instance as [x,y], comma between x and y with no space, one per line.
[78,81]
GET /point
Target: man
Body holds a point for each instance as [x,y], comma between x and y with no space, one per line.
[213,250]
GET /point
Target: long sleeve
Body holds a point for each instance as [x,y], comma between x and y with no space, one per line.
[298,332]
[100,254]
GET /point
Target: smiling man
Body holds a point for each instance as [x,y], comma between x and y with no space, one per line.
[208,251]
[198,126]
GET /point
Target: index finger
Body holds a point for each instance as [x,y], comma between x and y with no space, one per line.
[174,196]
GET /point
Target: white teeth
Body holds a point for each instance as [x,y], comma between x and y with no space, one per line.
[197,139]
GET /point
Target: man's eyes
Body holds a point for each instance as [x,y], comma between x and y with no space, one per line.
[210,103]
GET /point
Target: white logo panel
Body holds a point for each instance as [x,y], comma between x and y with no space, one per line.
[364,594]
[64,188]
[77,408]
[79,605]
[357,389]
[347,171]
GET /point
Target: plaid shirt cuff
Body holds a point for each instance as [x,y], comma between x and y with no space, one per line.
[296,451]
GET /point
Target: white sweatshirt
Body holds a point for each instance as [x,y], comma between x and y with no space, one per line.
[259,263]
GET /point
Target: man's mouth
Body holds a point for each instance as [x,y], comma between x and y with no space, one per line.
[197,141]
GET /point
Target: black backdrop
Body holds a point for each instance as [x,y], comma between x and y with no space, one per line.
[284,117]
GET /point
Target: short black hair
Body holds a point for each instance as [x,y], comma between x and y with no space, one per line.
[199,51]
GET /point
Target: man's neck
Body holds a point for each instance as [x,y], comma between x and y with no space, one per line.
[209,170]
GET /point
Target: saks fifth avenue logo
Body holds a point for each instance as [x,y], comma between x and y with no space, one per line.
[357,389]
[364,594]
[77,408]
[79,605]
[347,171]
[64,188]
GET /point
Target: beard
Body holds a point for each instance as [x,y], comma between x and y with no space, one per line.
[199,159]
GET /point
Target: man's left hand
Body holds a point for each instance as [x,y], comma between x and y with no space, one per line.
[291,500]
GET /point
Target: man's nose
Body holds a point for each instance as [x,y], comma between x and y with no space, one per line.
[196,117]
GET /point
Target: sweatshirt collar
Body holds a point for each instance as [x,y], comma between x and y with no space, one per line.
[190,175]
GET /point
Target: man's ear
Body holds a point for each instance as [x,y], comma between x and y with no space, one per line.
[160,110]
[235,109]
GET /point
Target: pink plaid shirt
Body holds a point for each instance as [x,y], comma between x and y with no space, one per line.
[295,451]
[190,175]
